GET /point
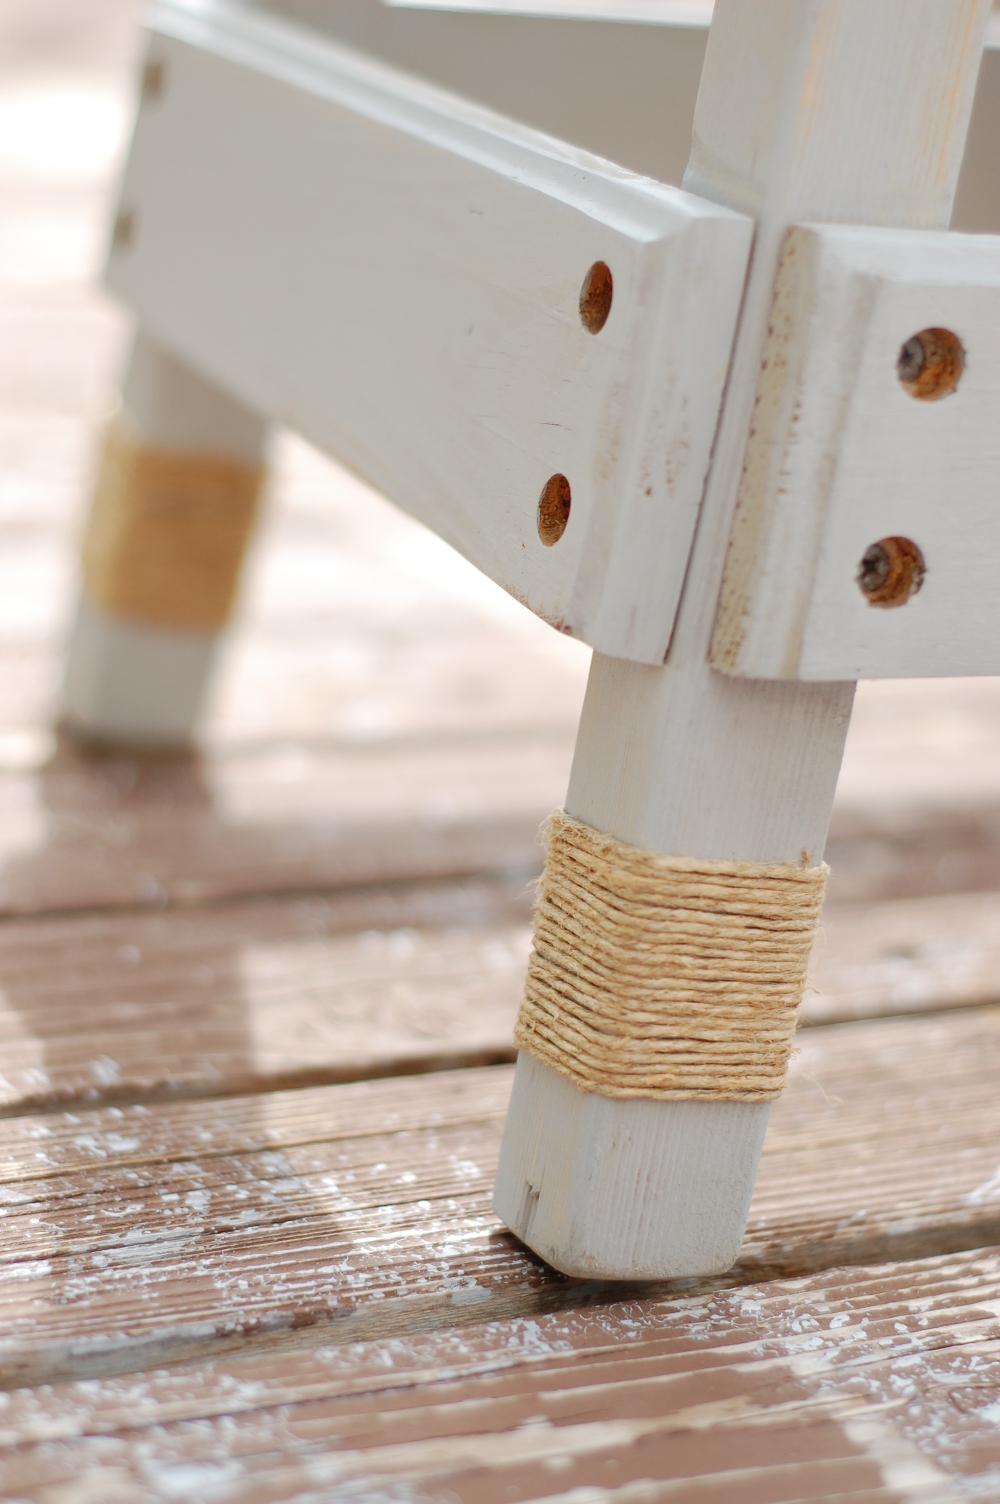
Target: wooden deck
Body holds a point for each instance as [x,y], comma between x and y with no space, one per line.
[256,1010]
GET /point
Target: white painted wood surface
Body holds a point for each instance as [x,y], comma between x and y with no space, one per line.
[619,79]
[397,274]
[133,684]
[625,90]
[808,109]
[645,1189]
[130,681]
[676,13]
[842,455]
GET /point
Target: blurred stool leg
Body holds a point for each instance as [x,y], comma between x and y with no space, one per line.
[172,512]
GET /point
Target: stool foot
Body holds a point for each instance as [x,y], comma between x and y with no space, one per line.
[143,643]
[133,683]
[626,1188]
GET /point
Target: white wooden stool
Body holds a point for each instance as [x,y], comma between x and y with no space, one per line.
[689,426]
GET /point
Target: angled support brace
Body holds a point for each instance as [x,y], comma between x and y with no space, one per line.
[522,345]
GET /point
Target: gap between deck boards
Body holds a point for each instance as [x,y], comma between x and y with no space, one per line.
[150,1235]
[265,994]
[838,1386]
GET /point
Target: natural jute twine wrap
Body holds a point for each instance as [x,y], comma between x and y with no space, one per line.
[167,533]
[668,977]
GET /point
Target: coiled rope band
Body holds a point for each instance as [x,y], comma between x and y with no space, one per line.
[167,533]
[668,977]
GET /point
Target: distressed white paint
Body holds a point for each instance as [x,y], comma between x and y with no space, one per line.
[841,456]
[396,274]
[808,110]
[136,682]
[661,1190]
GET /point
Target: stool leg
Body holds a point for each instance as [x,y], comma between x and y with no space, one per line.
[132,676]
[807,110]
[678,759]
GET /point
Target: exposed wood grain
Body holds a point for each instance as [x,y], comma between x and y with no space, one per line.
[274,993]
[124,830]
[918,806]
[874,1150]
[838,1386]
[259,995]
[909,956]
[877,853]
[139,1235]
[80,831]
[874,1385]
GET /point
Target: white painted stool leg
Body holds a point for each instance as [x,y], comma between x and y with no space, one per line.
[830,110]
[132,681]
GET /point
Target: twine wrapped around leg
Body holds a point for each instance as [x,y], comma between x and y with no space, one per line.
[666,977]
[167,533]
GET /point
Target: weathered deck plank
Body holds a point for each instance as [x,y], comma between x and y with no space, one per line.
[869,1384]
[261,994]
[146,1234]
[83,831]
[128,832]
[907,955]
[275,993]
